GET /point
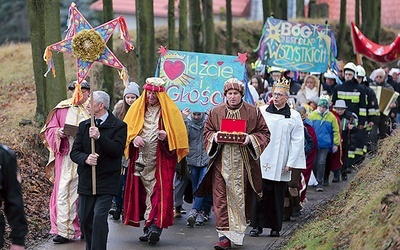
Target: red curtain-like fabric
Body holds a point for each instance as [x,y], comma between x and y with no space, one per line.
[374,51]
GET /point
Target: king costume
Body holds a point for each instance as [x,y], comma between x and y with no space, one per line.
[60,169]
[149,186]
[233,173]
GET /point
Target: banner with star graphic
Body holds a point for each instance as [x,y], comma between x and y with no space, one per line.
[297,46]
[196,80]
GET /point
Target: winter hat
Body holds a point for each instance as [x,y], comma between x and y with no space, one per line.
[340,104]
[323,103]
[234,83]
[394,71]
[314,99]
[133,88]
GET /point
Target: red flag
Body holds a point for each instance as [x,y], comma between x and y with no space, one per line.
[374,51]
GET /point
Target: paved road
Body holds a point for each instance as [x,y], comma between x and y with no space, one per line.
[180,237]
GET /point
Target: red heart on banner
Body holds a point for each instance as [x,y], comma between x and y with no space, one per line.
[173,69]
[220,63]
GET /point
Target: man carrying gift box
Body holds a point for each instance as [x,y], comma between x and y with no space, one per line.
[233,172]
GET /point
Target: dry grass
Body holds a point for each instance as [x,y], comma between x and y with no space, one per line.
[366,214]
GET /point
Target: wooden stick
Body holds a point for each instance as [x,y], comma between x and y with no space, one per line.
[92,141]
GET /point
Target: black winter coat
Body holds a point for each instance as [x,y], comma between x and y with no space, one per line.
[11,194]
[110,148]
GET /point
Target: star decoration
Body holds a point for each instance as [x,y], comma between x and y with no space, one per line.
[273,31]
[76,23]
[162,50]
[314,28]
[242,58]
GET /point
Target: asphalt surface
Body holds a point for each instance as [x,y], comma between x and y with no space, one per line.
[179,236]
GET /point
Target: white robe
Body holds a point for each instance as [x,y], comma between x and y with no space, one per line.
[286,147]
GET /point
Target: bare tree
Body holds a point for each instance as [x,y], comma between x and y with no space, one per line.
[371,19]
[377,21]
[209,33]
[145,38]
[300,8]
[196,25]
[46,31]
[108,72]
[267,9]
[183,28]
[228,45]
[342,24]
[171,24]
[357,14]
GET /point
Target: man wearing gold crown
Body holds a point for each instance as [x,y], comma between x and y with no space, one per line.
[60,169]
[284,153]
[157,140]
[233,173]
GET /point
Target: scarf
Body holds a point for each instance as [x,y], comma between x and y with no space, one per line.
[172,120]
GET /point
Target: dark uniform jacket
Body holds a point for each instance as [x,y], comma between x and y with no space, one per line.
[11,194]
[110,148]
[354,96]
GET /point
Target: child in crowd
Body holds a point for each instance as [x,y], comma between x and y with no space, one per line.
[131,93]
[327,129]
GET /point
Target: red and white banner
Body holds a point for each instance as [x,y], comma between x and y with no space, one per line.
[374,51]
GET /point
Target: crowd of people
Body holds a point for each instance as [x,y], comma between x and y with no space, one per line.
[140,159]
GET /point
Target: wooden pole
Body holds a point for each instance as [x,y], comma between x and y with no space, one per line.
[92,142]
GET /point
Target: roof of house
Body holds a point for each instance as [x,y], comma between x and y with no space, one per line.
[239,8]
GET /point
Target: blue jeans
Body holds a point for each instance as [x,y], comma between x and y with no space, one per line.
[319,172]
[196,175]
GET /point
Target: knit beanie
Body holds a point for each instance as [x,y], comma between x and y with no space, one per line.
[323,103]
[132,88]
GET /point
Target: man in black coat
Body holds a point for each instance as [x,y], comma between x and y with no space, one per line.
[95,194]
[11,194]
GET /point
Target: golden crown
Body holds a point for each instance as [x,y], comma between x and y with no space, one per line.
[282,83]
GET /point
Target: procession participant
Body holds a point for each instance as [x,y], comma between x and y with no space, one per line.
[287,138]
[60,169]
[97,188]
[197,160]
[383,125]
[11,195]
[328,135]
[233,173]
[355,97]
[131,93]
[157,141]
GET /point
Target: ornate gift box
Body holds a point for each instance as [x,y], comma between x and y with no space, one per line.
[232,131]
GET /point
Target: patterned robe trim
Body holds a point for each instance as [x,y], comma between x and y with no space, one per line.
[235,190]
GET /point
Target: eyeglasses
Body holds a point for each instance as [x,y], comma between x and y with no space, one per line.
[278,94]
[378,76]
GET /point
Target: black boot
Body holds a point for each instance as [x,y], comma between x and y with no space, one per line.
[117,213]
[145,236]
